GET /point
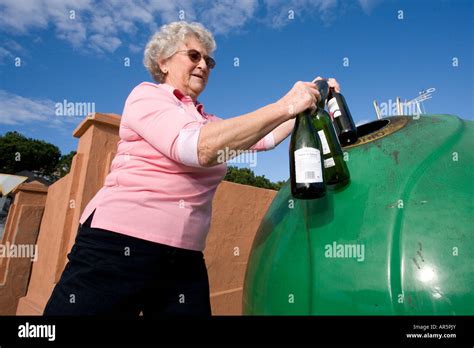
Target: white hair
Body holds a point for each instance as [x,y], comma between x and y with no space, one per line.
[164,43]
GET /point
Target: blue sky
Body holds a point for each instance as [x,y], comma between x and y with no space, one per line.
[79,57]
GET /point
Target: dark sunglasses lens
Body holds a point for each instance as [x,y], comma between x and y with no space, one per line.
[195,56]
[210,62]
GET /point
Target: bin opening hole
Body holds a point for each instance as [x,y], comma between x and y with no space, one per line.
[371,127]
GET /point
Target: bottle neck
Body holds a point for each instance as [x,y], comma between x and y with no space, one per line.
[300,119]
[323,88]
[321,114]
[322,104]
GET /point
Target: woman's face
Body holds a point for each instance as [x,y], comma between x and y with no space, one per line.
[190,78]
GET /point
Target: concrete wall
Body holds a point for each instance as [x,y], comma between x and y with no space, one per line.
[237,212]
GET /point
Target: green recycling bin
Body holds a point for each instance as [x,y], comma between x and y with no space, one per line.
[398,240]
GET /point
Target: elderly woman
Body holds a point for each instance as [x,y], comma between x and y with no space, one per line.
[140,240]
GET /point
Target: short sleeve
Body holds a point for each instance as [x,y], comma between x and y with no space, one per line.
[264,144]
[158,118]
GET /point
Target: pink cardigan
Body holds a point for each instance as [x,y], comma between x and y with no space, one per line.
[149,193]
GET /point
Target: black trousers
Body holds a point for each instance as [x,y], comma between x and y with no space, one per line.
[111,274]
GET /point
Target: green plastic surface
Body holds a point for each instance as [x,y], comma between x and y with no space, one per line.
[409,208]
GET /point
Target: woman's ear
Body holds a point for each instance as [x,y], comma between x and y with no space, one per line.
[163,64]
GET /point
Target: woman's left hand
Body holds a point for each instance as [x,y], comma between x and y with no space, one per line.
[332,82]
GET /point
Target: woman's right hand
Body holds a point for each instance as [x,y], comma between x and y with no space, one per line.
[302,96]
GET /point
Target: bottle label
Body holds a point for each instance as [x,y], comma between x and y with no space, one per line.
[324,142]
[308,165]
[328,163]
[334,108]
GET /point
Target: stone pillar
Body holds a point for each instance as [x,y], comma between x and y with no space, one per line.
[19,243]
[67,198]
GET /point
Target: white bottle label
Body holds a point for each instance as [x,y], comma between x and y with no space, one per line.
[324,142]
[334,108]
[308,165]
[328,163]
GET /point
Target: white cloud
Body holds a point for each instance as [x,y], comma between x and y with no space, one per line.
[92,26]
[368,5]
[19,110]
[9,49]
[19,16]
[228,15]
[104,43]
[278,11]
[135,48]
[103,26]
[5,55]
[15,109]
[327,10]
[15,46]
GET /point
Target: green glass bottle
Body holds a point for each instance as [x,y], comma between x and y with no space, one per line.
[336,173]
[306,165]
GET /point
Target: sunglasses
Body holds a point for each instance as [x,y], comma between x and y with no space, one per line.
[195,56]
